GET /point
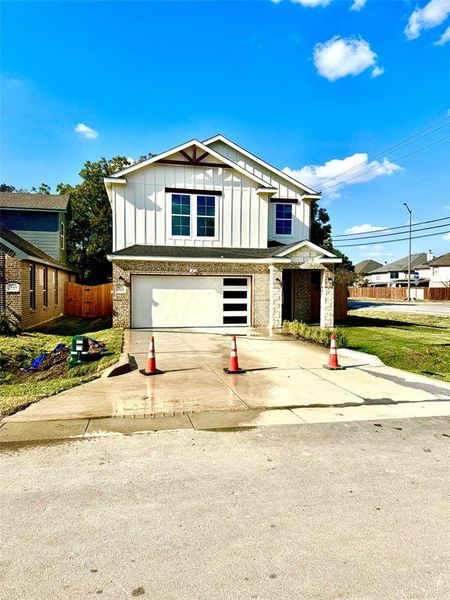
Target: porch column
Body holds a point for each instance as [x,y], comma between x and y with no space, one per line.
[275,296]
[327,298]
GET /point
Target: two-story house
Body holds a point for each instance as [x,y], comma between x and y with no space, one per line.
[208,234]
[395,274]
[33,271]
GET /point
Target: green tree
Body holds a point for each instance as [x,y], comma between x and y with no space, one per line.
[44,188]
[321,235]
[89,231]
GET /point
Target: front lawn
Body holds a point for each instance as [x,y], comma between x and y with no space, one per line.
[416,343]
[18,388]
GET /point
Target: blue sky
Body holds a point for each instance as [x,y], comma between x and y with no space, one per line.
[314,86]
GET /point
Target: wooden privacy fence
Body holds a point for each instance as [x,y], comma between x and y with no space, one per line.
[385,293]
[88,300]
[442,293]
[340,302]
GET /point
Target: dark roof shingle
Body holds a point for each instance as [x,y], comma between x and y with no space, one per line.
[402,263]
[440,261]
[19,200]
[366,266]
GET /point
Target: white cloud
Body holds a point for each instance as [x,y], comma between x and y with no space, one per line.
[362,228]
[358,4]
[85,131]
[334,174]
[445,37]
[376,71]
[431,15]
[446,237]
[339,57]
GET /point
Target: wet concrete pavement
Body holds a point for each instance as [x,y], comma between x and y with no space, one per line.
[282,374]
[327,512]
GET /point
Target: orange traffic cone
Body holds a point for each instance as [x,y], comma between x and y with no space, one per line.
[233,367]
[150,368]
[333,364]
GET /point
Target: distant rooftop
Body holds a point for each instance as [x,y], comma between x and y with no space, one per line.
[18,200]
[402,263]
[366,266]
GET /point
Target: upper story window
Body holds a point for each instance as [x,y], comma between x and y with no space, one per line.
[181,215]
[194,216]
[435,270]
[206,216]
[283,219]
[393,274]
[62,235]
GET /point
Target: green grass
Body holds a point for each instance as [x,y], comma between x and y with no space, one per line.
[16,392]
[413,342]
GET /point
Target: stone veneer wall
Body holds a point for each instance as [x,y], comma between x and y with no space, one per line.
[123,270]
[263,280]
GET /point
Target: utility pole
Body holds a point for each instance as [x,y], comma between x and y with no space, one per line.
[409,253]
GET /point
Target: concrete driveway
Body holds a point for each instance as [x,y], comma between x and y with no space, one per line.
[285,382]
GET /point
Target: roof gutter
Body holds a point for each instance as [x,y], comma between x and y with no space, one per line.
[183,259]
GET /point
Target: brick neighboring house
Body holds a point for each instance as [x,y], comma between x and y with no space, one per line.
[33,271]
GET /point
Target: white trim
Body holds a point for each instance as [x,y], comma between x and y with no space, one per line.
[188,144]
[326,261]
[248,154]
[193,259]
[193,215]
[114,180]
[267,190]
[307,243]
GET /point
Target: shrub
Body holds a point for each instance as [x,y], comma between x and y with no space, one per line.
[312,333]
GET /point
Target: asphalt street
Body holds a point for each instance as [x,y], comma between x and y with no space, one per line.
[346,510]
[438,309]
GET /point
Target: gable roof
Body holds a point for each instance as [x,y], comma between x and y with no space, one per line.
[24,249]
[440,261]
[263,163]
[402,263]
[201,146]
[365,266]
[18,200]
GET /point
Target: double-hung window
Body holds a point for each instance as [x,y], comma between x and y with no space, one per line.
[181,215]
[194,216]
[283,219]
[206,216]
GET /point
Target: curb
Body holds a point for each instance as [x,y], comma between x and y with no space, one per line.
[370,359]
[125,364]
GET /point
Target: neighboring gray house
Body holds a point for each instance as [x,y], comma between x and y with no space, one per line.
[33,271]
[37,218]
[208,234]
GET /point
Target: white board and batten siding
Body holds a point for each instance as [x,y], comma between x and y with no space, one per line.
[142,207]
[301,211]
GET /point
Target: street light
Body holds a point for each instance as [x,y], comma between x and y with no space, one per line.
[409,253]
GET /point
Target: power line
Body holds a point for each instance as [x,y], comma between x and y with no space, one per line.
[368,233]
[398,233]
[418,135]
[339,183]
[417,237]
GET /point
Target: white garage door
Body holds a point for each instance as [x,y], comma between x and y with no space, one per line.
[165,301]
